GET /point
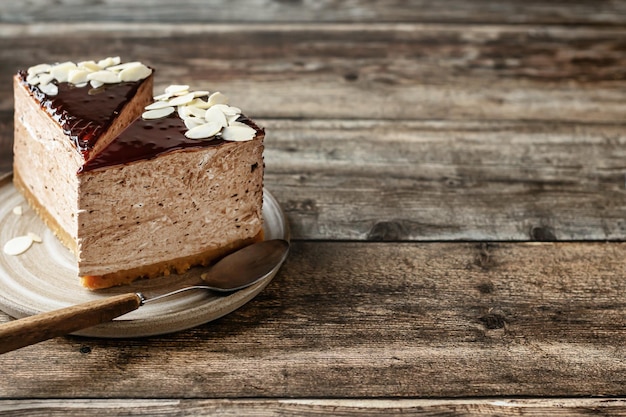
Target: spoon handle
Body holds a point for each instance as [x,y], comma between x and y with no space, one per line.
[34,329]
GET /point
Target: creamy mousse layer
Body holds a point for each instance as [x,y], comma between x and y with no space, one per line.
[180,202]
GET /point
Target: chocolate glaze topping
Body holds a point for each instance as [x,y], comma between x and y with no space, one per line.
[84,113]
[146,139]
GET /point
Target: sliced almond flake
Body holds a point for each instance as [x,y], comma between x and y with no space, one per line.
[232,119]
[109,62]
[81,85]
[176,88]
[238,132]
[134,73]
[195,102]
[160,97]
[106,77]
[18,245]
[89,66]
[96,83]
[49,89]
[217,98]
[17,210]
[32,79]
[228,110]
[45,78]
[157,105]
[183,112]
[157,114]
[214,114]
[123,66]
[201,104]
[195,111]
[38,69]
[77,76]
[182,99]
[204,131]
[35,237]
[201,93]
[192,122]
[61,71]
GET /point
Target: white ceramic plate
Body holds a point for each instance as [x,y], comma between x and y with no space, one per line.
[44,278]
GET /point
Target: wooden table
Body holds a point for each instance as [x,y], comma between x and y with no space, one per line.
[454,177]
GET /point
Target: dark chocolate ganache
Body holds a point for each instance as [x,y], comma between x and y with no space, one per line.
[84,113]
[147,139]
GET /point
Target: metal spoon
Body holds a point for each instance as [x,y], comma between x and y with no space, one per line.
[236,271]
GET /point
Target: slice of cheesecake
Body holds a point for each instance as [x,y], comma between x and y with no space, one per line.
[64,115]
[179,186]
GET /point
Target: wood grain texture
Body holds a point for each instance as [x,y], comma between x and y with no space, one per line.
[315,407]
[363,71]
[481,11]
[376,320]
[415,180]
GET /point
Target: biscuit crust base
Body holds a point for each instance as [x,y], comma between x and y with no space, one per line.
[177,265]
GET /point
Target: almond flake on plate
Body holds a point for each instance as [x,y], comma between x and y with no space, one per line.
[18,245]
[35,237]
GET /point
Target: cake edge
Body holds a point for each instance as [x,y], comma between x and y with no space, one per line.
[177,265]
[68,241]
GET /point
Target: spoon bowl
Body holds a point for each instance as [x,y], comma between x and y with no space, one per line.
[238,270]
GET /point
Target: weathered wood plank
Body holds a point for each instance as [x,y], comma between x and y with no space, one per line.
[377,320]
[314,407]
[374,180]
[485,11]
[424,181]
[364,71]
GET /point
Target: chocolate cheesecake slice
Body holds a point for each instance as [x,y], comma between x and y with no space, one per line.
[136,187]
